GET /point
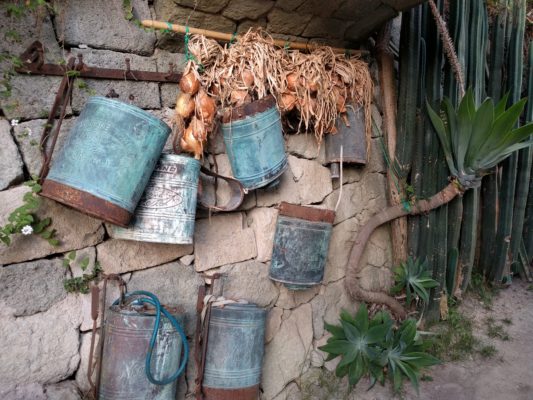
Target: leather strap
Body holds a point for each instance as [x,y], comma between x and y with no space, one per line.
[236,193]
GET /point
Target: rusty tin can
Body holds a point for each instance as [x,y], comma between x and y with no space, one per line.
[127,336]
[301,244]
[107,159]
[352,138]
[235,349]
[166,212]
[254,143]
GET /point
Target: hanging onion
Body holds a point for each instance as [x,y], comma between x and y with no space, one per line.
[247,78]
[206,107]
[190,143]
[184,105]
[189,83]
[288,101]
[240,97]
[292,81]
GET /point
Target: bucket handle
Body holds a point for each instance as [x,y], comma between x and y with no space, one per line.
[236,192]
[150,298]
[61,102]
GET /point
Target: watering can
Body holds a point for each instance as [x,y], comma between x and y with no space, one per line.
[166,212]
[254,143]
[351,137]
[107,159]
[144,349]
[301,244]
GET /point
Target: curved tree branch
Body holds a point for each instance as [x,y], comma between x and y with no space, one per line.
[353,268]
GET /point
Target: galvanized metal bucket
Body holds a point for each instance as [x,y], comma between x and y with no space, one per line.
[166,212]
[235,349]
[127,335]
[106,162]
[352,138]
[254,143]
[301,245]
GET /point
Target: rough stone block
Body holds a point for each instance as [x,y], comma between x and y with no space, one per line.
[10,161]
[354,10]
[289,299]
[28,134]
[164,58]
[42,348]
[325,28]
[211,6]
[174,284]
[305,145]
[101,24]
[249,281]
[119,256]
[140,94]
[74,230]
[342,238]
[263,222]
[169,94]
[306,182]
[290,23]
[273,323]
[246,24]
[32,287]
[317,7]
[289,5]
[364,25]
[222,240]
[251,9]
[286,354]
[18,33]
[168,10]
[89,254]
[31,97]
[66,390]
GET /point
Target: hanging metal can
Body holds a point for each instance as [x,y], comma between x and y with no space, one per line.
[351,137]
[127,335]
[166,212]
[235,349]
[107,159]
[254,143]
[301,245]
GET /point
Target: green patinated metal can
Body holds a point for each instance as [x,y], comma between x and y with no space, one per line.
[301,244]
[166,212]
[107,159]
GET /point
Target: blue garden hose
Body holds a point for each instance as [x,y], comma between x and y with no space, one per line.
[150,298]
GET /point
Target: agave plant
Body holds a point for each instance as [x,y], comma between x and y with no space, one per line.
[374,347]
[473,141]
[413,276]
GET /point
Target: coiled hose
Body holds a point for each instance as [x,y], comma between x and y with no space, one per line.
[150,298]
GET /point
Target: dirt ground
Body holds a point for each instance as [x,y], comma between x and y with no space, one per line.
[507,375]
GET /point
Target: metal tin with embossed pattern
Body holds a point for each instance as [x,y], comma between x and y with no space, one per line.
[167,209]
[107,159]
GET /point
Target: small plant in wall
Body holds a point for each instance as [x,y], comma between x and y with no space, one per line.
[23,219]
[80,284]
[374,347]
[413,277]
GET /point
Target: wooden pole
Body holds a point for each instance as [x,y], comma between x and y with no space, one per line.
[228,37]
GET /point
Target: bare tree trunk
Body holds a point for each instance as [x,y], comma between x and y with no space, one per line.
[353,268]
[388,105]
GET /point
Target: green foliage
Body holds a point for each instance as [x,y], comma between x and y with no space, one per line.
[24,220]
[481,289]
[474,140]
[496,330]
[414,277]
[81,284]
[455,339]
[376,348]
[488,351]
[20,8]
[128,9]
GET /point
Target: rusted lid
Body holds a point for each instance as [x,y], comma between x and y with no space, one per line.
[308,213]
[247,110]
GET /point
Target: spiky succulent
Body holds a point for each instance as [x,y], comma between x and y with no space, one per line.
[476,139]
[376,348]
[414,277]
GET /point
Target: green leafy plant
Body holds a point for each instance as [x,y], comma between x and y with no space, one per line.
[23,219]
[375,347]
[80,284]
[414,277]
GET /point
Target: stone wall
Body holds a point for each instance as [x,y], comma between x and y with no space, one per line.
[45,332]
